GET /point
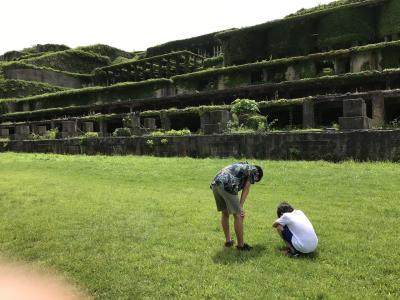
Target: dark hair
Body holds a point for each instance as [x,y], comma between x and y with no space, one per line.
[284,207]
[260,173]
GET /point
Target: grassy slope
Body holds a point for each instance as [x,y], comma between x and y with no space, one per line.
[141,227]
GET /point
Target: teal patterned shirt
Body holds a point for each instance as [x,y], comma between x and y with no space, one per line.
[233,177]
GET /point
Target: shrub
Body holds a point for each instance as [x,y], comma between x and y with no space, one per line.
[244,106]
[256,122]
[150,143]
[90,135]
[164,141]
[171,132]
[51,134]
[122,132]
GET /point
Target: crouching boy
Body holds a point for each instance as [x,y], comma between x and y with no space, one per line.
[295,229]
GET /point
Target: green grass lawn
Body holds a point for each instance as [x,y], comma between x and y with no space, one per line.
[145,227]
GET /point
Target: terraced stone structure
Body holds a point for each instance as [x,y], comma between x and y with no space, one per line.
[306,71]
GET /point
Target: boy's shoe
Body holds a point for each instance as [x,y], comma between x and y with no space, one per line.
[245,247]
[293,254]
[229,244]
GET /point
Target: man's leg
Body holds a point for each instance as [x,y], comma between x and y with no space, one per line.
[280,230]
[238,222]
[225,225]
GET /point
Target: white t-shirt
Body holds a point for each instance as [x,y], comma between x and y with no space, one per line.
[304,238]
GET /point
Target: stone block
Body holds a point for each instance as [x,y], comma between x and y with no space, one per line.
[22,130]
[213,129]
[41,130]
[88,127]
[378,110]
[135,121]
[5,133]
[354,108]
[349,123]
[68,126]
[219,116]
[165,123]
[308,115]
[150,123]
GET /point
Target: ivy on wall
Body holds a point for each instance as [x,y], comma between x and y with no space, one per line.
[345,27]
[389,19]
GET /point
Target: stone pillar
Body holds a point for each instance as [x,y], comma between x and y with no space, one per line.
[22,132]
[68,129]
[150,123]
[135,125]
[88,127]
[355,115]
[5,133]
[165,122]
[291,117]
[308,114]
[214,122]
[378,110]
[103,128]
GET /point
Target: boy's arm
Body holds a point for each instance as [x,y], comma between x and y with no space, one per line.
[276,224]
[282,221]
[245,192]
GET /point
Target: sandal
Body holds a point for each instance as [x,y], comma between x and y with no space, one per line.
[245,247]
[229,244]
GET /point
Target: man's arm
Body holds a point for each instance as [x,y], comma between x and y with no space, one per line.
[245,192]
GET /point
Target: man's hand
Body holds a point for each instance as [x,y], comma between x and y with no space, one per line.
[242,212]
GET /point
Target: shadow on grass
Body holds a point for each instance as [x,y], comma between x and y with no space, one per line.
[311,256]
[228,256]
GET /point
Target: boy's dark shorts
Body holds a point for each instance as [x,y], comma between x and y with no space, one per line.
[287,236]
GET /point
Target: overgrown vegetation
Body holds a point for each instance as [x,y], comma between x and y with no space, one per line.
[172,132]
[74,61]
[338,25]
[122,132]
[92,95]
[105,50]
[86,78]
[206,42]
[20,88]
[389,19]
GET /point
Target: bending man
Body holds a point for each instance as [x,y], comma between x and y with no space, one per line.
[225,186]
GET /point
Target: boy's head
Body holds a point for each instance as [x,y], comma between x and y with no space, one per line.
[284,207]
[260,173]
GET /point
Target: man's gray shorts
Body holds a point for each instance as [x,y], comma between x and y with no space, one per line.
[225,200]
